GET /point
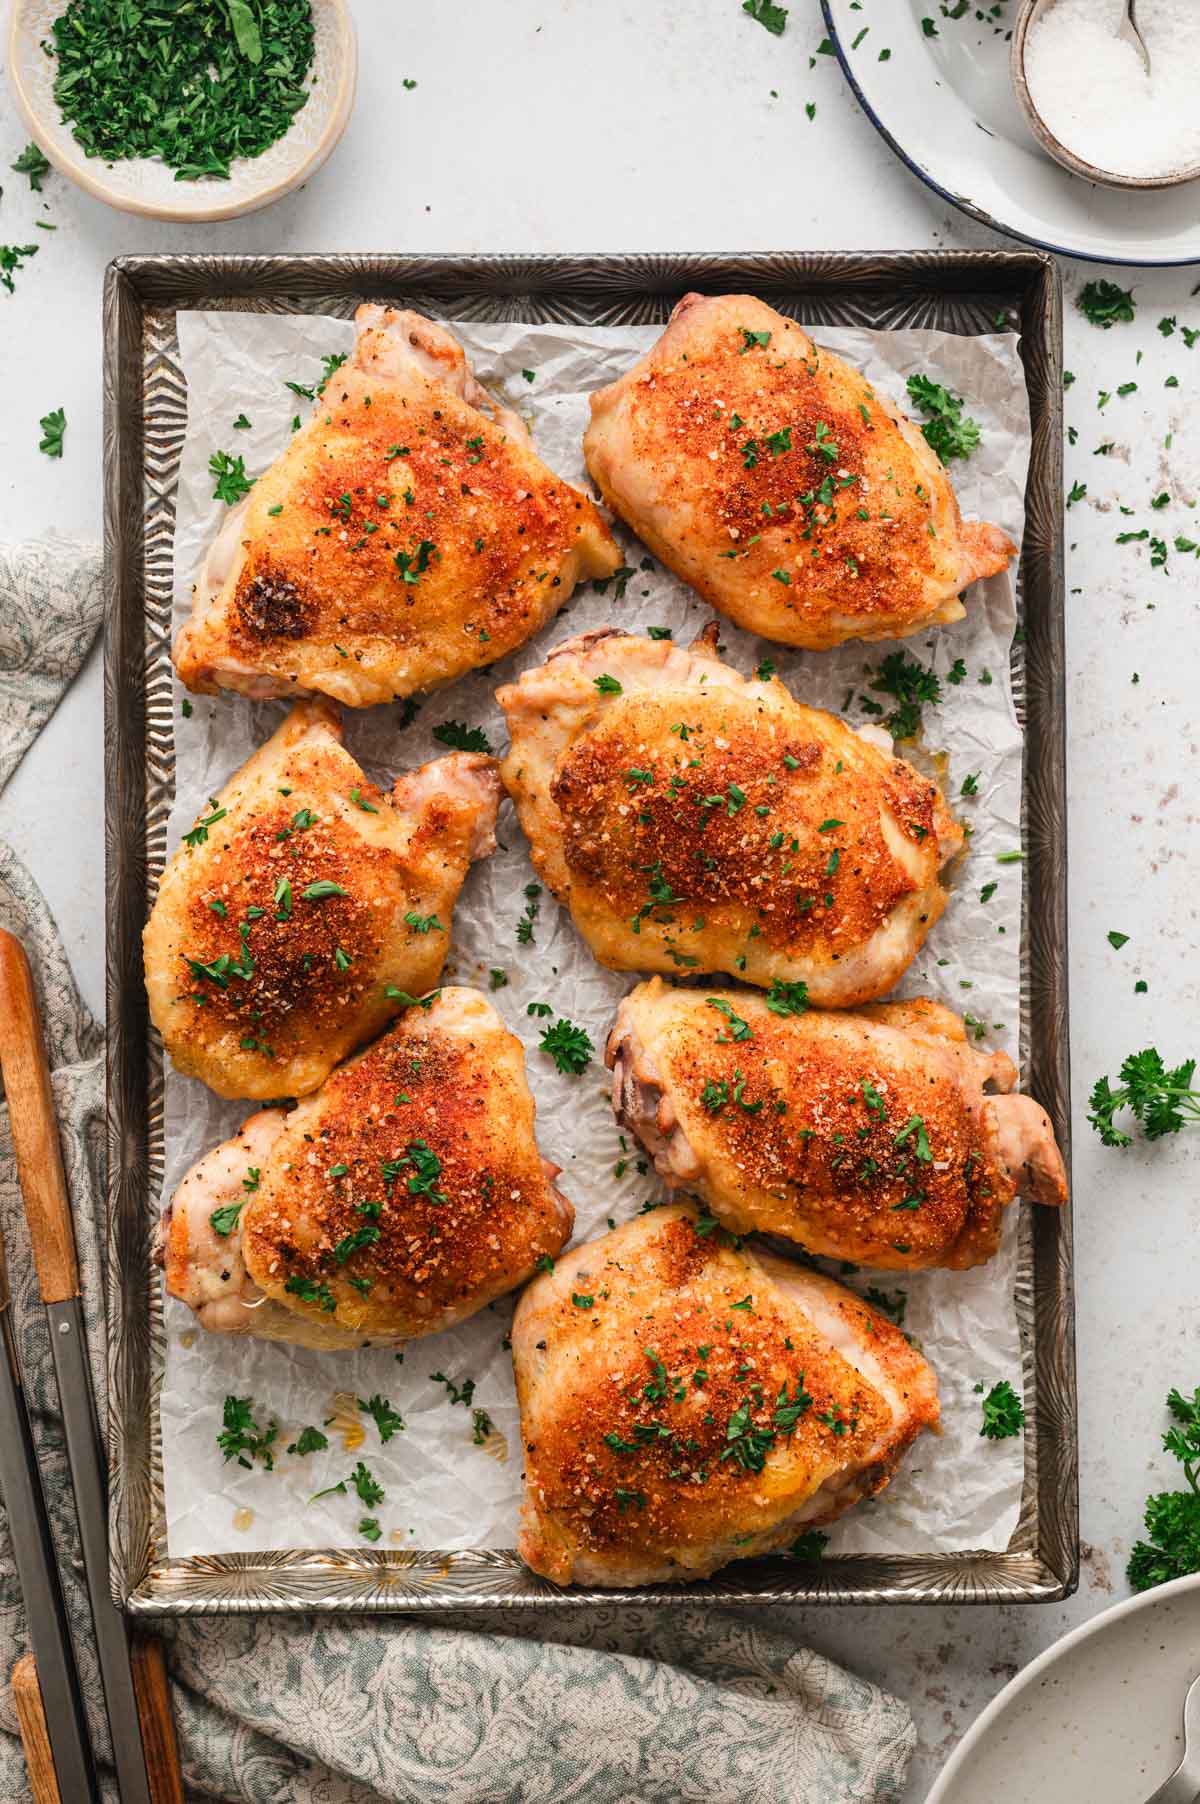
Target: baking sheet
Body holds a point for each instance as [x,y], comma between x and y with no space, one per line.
[443,1490]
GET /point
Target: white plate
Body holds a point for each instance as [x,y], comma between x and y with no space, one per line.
[946,106]
[1097,1717]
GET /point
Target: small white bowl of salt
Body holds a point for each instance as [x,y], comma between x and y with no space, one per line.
[1089,99]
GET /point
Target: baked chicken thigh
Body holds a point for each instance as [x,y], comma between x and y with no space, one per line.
[696,821]
[862,1136]
[409,533]
[685,1403]
[771,476]
[403,1197]
[305,904]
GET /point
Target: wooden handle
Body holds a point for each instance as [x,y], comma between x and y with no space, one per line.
[35,1738]
[34,1128]
[158,1723]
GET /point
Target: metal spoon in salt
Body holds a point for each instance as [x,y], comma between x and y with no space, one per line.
[1128,31]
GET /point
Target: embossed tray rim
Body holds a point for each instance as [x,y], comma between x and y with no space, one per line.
[954,290]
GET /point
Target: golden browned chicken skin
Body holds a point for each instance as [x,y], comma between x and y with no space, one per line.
[696,821]
[306,904]
[408,534]
[771,476]
[685,1403]
[864,1136]
[403,1197]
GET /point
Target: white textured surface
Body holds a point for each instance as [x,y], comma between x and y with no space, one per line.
[689,151]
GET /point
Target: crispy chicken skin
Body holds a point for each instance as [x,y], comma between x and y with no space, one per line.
[259,980]
[746,458]
[704,1404]
[864,1136]
[404,1196]
[408,534]
[772,843]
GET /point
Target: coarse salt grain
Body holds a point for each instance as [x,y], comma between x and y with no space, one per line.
[1094,95]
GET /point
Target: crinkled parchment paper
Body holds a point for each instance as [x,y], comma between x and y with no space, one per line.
[443,1490]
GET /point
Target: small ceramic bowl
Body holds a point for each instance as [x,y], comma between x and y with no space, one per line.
[146,186]
[1031,12]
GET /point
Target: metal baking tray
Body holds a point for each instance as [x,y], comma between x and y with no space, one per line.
[144,416]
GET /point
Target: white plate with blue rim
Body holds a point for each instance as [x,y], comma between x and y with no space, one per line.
[943,100]
[1098,1717]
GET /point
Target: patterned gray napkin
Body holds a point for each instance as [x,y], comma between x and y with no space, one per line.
[611,1706]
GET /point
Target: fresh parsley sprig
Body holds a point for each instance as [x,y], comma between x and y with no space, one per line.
[1003,1412]
[569,1046]
[950,433]
[1160,1099]
[1172,1518]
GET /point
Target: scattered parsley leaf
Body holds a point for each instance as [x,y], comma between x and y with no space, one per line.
[569,1047]
[946,429]
[1103,303]
[1003,1413]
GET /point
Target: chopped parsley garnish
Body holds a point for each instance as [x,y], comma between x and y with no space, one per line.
[224,1221]
[53,426]
[751,339]
[11,258]
[230,481]
[421,923]
[738,1029]
[747,1445]
[369,1489]
[1117,940]
[1161,1100]
[199,833]
[369,1528]
[787,998]
[773,17]
[426,1170]
[242,1439]
[608,685]
[460,737]
[193,87]
[568,1046]
[912,686]
[354,1243]
[529,915]
[1003,1413]
[892,1302]
[309,1440]
[481,1427]
[456,1393]
[1103,303]
[311,1290]
[412,565]
[874,1101]
[317,892]
[386,1419]
[946,429]
[915,1125]
[34,164]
